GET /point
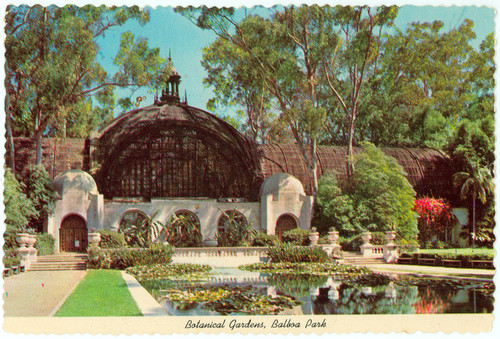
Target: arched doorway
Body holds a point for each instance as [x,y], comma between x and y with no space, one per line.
[73,234]
[285,223]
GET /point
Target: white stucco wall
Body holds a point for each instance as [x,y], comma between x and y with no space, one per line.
[282,194]
[462,215]
[80,203]
[275,205]
[208,212]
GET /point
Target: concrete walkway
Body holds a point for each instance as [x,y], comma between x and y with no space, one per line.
[437,271]
[38,293]
[145,302]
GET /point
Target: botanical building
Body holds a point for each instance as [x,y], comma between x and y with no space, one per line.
[173,158]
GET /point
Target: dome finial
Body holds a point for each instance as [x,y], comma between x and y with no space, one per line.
[170,94]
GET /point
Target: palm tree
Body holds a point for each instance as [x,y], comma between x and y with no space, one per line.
[477,183]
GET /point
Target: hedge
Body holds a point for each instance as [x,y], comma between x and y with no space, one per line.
[127,257]
[296,236]
[264,239]
[45,244]
[112,239]
[465,259]
[293,254]
[11,262]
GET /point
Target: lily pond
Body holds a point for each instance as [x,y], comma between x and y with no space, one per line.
[294,289]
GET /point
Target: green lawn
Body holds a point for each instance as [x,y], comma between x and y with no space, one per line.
[490,251]
[101,293]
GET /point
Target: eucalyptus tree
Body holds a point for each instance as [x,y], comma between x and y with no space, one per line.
[53,78]
[346,73]
[272,61]
[302,57]
[427,80]
[236,83]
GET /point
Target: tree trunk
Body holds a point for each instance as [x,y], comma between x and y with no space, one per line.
[10,140]
[473,221]
[350,152]
[314,169]
[38,142]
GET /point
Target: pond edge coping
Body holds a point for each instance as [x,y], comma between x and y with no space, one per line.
[148,305]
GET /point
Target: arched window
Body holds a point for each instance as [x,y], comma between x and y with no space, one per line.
[285,223]
[228,218]
[129,224]
[134,217]
[184,230]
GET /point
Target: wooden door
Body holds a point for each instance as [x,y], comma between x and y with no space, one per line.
[73,235]
[285,223]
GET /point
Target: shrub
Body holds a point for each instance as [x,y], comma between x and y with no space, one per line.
[127,257]
[435,244]
[9,238]
[237,231]
[323,240]
[97,258]
[42,195]
[290,253]
[183,230]
[296,236]
[438,244]
[11,262]
[435,217]
[18,208]
[410,245]
[378,197]
[264,239]
[45,244]
[142,234]
[112,239]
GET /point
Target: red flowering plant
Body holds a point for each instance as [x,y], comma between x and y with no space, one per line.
[435,217]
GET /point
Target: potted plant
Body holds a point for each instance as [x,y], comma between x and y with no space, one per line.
[333,236]
[313,236]
[31,237]
[94,237]
[390,235]
[22,236]
[210,242]
[366,237]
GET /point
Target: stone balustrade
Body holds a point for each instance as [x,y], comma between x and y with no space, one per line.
[220,256]
[220,251]
[377,251]
[389,251]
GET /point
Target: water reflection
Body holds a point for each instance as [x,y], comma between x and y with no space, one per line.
[324,295]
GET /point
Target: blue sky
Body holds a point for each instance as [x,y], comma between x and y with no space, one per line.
[167,29]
